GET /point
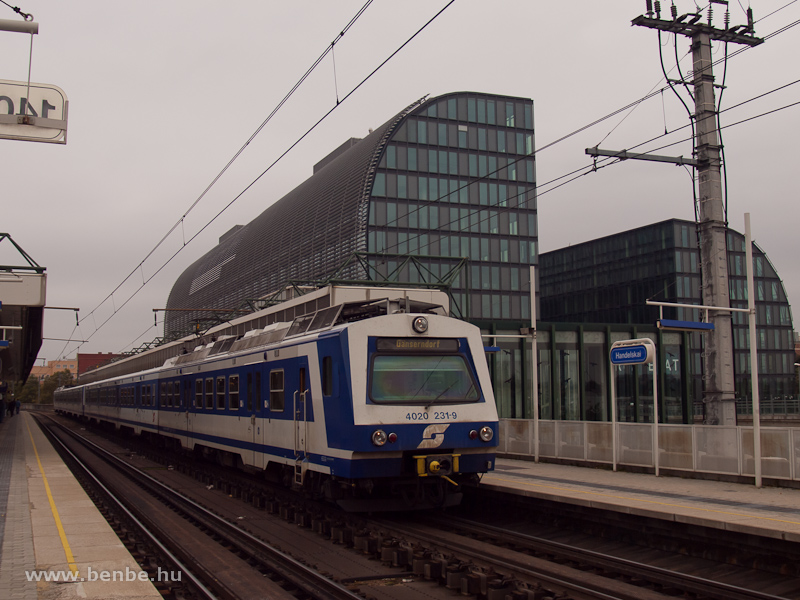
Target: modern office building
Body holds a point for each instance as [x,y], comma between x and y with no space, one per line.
[609,280]
[445,192]
[449,179]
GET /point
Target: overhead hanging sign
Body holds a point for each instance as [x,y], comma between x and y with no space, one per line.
[35,112]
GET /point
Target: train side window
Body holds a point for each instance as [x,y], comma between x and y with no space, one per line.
[209,393]
[198,393]
[258,391]
[220,393]
[165,394]
[233,392]
[327,376]
[276,392]
[249,392]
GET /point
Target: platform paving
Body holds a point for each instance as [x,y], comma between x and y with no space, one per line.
[767,511]
[50,528]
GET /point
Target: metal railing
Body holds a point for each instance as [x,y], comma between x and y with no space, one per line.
[725,450]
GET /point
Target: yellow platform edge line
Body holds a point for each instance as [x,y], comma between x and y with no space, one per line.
[61,533]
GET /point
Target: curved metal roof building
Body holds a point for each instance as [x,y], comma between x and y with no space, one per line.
[446,178]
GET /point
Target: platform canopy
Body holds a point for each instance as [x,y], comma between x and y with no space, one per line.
[22,301]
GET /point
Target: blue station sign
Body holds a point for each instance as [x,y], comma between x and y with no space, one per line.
[632,352]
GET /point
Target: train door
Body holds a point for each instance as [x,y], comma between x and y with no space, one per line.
[300,425]
[193,405]
[300,414]
[253,406]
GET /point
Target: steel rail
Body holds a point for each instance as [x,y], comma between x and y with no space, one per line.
[151,536]
[706,588]
[299,575]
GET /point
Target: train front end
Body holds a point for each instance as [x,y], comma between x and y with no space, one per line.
[424,415]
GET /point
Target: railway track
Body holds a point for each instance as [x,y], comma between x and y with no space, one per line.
[217,558]
[577,570]
[436,557]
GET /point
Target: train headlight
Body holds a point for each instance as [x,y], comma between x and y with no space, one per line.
[392,438]
[379,437]
[486,434]
[473,435]
[420,325]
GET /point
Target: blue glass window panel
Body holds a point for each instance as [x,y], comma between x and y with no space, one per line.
[510,114]
[433,166]
[442,134]
[379,186]
[412,159]
[422,132]
[454,246]
[412,131]
[483,188]
[490,112]
[402,186]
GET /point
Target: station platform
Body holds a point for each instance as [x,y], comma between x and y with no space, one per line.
[54,543]
[770,512]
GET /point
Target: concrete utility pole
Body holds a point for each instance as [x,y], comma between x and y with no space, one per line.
[718,356]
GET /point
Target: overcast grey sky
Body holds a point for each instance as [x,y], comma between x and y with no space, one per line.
[163,94]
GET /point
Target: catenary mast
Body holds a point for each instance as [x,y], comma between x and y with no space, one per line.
[720,407]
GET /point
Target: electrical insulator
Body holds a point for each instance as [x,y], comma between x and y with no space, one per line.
[727,19]
[658,9]
[649,8]
[710,13]
[750,19]
[674,10]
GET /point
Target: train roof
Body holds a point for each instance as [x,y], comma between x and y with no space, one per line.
[315,310]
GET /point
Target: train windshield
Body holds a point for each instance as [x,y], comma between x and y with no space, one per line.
[425,379]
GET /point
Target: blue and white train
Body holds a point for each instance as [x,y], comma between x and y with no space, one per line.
[367,405]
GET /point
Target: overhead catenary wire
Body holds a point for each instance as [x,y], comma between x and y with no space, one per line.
[244,146]
[191,238]
[264,172]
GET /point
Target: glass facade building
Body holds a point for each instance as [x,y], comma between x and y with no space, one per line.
[450,180]
[609,280]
